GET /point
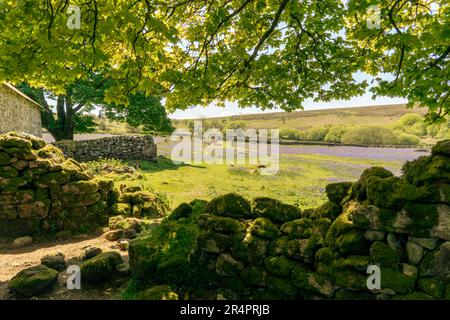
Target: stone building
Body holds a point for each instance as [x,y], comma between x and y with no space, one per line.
[18,112]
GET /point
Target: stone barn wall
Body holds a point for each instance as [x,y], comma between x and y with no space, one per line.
[42,191]
[120,147]
[18,112]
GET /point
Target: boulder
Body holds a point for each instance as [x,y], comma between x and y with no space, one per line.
[21,242]
[436,263]
[308,281]
[433,287]
[428,169]
[100,268]
[298,228]
[220,224]
[392,192]
[184,210]
[56,261]
[373,235]
[263,228]
[358,189]
[428,243]
[336,192]
[228,266]
[415,252]
[91,252]
[383,255]
[441,148]
[275,210]
[251,249]
[229,205]
[33,281]
[280,266]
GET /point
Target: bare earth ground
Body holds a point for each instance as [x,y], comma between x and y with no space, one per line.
[14,260]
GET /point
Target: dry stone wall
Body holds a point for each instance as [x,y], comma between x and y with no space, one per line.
[265,249]
[119,147]
[18,113]
[42,191]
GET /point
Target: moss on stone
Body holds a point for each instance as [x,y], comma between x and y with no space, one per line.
[59,177]
[8,172]
[281,285]
[349,279]
[336,192]
[22,153]
[441,148]
[352,242]
[184,210]
[151,204]
[37,143]
[51,152]
[213,242]
[277,246]
[391,192]
[8,141]
[341,225]
[397,281]
[100,268]
[383,255]
[308,281]
[33,281]
[279,266]
[162,292]
[229,205]
[87,199]
[228,266]
[220,224]
[358,263]
[358,189]
[427,169]
[11,185]
[433,287]
[275,210]
[80,187]
[421,218]
[263,228]
[321,226]
[298,228]
[254,276]
[251,249]
[125,223]
[328,210]
[5,158]
[121,209]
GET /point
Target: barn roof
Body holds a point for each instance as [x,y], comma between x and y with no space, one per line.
[20,93]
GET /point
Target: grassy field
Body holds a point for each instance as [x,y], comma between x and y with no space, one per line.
[301,179]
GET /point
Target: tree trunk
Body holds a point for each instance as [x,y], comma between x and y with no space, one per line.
[62,127]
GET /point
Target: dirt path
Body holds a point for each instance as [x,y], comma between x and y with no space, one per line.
[14,260]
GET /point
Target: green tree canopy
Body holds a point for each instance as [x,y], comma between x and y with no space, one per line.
[82,96]
[257,52]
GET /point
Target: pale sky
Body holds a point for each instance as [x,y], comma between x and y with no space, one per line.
[232,109]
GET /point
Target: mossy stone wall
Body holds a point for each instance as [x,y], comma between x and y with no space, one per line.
[119,147]
[263,249]
[42,191]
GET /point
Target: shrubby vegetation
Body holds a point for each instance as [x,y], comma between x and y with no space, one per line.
[410,130]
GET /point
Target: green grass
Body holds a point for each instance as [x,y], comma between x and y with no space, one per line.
[301,179]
